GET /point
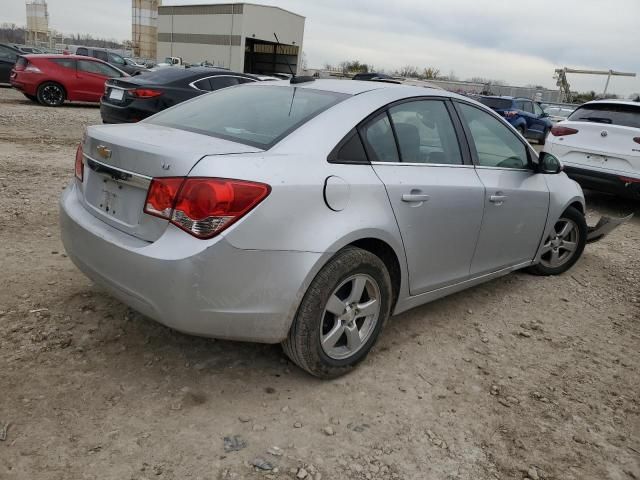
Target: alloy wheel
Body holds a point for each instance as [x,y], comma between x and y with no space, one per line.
[350,316]
[52,95]
[561,244]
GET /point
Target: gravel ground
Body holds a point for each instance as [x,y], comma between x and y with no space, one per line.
[522,377]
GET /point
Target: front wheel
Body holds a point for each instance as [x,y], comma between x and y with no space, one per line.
[51,94]
[564,245]
[341,315]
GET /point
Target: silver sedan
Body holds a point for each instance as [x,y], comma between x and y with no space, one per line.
[307,212]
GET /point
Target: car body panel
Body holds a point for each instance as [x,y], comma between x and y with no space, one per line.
[247,282]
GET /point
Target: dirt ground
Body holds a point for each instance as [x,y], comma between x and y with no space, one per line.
[521,377]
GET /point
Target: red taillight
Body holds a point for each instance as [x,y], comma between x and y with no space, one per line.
[145,93]
[629,180]
[510,113]
[203,207]
[560,131]
[637,139]
[79,163]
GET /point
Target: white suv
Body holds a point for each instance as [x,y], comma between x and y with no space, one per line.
[599,145]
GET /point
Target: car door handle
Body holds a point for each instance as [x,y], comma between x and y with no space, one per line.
[415,197]
[497,198]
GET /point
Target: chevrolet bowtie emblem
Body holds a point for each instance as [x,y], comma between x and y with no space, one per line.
[103,151]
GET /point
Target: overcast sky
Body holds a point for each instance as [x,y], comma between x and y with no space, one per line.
[519,42]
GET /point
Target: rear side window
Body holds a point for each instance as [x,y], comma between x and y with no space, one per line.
[608,113]
[22,62]
[64,62]
[203,84]
[425,133]
[254,115]
[82,51]
[350,150]
[496,145]
[223,82]
[492,102]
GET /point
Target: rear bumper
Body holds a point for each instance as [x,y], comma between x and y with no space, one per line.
[604,182]
[207,288]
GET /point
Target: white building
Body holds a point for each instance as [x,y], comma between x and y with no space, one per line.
[239,36]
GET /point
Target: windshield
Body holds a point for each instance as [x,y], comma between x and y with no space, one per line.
[609,113]
[493,102]
[254,115]
[558,111]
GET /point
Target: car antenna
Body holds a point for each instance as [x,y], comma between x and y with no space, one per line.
[294,79]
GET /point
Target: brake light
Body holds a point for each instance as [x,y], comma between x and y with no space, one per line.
[200,206]
[629,180]
[79,163]
[560,131]
[510,113]
[145,93]
[636,139]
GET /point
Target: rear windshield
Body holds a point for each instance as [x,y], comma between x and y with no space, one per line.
[608,113]
[254,115]
[499,103]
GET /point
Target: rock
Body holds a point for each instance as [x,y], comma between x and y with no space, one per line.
[244,418]
[579,439]
[297,425]
[302,473]
[234,443]
[466,359]
[328,431]
[503,401]
[402,389]
[524,333]
[261,464]
[285,409]
[495,390]
[469,311]
[275,451]
[512,400]
[533,473]
[334,421]
[484,339]
[258,428]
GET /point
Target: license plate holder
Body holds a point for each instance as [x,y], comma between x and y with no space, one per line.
[116,94]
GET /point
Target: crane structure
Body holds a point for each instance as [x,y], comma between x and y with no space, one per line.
[565,91]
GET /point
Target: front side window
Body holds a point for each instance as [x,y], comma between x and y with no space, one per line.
[496,145]
[64,62]
[257,115]
[380,140]
[528,107]
[116,59]
[425,133]
[518,105]
[100,55]
[97,68]
[537,109]
[82,51]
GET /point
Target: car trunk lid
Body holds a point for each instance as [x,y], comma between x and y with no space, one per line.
[121,160]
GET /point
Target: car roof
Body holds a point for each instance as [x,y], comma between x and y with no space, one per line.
[61,55]
[614,101]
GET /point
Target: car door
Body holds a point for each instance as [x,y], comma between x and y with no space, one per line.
[8,59]
[516,198]
[535,124]
[435,193]
[91,78]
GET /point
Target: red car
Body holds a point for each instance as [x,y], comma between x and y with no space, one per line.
[52,79]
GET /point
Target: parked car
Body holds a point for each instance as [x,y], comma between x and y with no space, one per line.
[558,113]
[133,98]
[8,57]
[52,79]
[111,58]
[307,213]
[525,115]
[26,49]
[599,145]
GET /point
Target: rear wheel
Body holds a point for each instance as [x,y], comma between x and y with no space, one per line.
[341,314]
[564,245]
[51,94]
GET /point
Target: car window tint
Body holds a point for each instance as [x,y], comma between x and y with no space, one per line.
[82,51]
[245,80]
[352,151]
[100,55]
[203,84]
[528,107]
[496,144]
[537,110]
[608,113]
[518,105]
[116,59]
[8,54]
[97,68]
[379,137]
[223,82]
[64,62]
[495,102]
[425,133]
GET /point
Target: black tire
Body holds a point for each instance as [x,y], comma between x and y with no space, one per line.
[580,223]
[51,94]
[303,344]
[521,130]
[33,98]
[544,137]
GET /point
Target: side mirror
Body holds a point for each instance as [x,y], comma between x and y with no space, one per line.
[547,163]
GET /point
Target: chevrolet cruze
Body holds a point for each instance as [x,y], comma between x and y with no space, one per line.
[307,212]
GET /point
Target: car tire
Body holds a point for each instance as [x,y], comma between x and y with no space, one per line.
[33,98]
[543,139]
[330,334]
[51,94]
[521,130]
[557,258]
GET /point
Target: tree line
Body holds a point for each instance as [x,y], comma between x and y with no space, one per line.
[12,33]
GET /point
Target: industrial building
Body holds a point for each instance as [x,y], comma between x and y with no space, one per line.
[239,36]
[37,23]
